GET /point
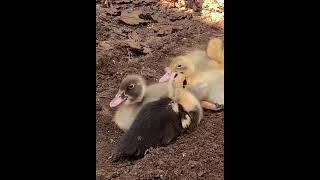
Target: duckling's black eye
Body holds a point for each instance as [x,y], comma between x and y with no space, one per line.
[131,86]
[179,66]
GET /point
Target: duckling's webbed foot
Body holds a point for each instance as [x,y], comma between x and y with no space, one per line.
[219,106]
[211,106]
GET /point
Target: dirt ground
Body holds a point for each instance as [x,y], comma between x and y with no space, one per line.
[163,30]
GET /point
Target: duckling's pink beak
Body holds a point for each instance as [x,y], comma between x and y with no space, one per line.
[166,77]
[118,99]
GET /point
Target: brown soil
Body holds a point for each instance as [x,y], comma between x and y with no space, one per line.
[167,31]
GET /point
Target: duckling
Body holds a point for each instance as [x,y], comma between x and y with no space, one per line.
[212,58]
[156,124]
[191,112]
[204,71]
[160,122]
[132,95]
[195,61]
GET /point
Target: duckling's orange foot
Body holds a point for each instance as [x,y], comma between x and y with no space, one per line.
[211,106]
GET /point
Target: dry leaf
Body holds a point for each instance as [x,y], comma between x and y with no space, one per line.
[134,35]
[134,45]
[113,11]
[118,31]
[105,45]
[137,46]
[131,18]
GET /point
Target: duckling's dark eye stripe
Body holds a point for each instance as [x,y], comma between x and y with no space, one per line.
[175,75]
[184,83]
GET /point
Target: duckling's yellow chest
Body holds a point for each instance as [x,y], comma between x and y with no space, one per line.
[125,116]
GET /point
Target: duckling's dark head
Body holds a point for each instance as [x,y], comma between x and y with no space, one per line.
[131,91]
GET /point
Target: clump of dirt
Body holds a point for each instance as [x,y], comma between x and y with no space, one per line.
[165,29]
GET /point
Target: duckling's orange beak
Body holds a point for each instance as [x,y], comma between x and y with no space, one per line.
[118,99]
[166,77]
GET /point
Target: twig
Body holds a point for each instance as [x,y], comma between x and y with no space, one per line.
[107,3]
[129,54]
[119,34]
